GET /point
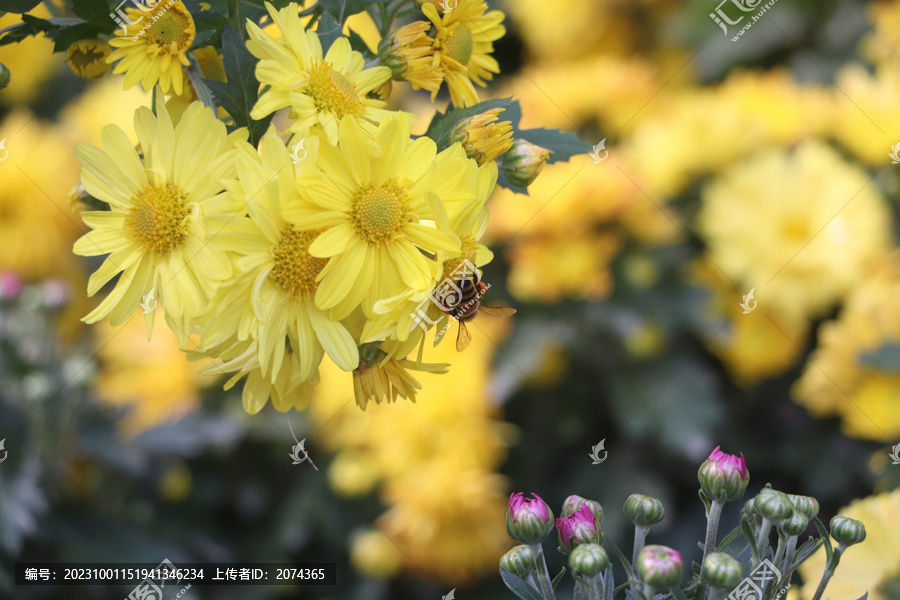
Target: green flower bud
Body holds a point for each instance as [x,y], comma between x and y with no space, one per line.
[644,510]
[723,477]
[587,560]
[573,503]
[390,56]
[721,570]
[524,162]
[750,508]
[773,505]
[795,525]
[805,504]
[659,566]
[519,561]
[847,531]
[528,520]
[5,76]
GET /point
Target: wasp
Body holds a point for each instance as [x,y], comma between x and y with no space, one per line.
[464,303]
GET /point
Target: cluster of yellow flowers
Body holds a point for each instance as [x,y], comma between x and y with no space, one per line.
[273,259]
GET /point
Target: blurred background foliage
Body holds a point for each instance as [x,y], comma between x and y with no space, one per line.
[760,164]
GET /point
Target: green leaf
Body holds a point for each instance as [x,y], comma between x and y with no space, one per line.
[239,94]
[563,145]
[581,591]
[807,549]
[18,6]
[341,10]
[706,502]
[729,539]
[66,36]
[558,578]
[96,12]
[622,559]
[329,30]
[826,539]
[885,358]
[443,123]
[29,26]
[677,594]
[747,530]
[210,25]
[519,586]
[609,583]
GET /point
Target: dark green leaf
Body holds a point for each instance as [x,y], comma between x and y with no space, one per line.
[341,10]
[29,26]
[66,36]
[677,594]
[805,551]
[705,500]
[826,539]
[329,30]
[609,583]
[239,94]
[519,586]
[96,12]
[729,539]
[443,123]
[18,6]
[885,358]
[358,44]
[622,559]
[558,578]
[562,145]
[747,530]
[209,25]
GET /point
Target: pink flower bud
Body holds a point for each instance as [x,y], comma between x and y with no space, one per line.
[581,527]
[724,477]
[528,520]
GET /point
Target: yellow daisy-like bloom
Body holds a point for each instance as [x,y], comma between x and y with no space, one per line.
[87,58]
[154,46]
[382,379]
[320,91]
[371,207]
[272,294]
[410,55]
[871,566]
[799,227]
[463,43]
[164,212]
[482,137]
[837,381]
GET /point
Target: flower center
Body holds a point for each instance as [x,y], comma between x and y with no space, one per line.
[173,27]
[380,211]
[459,45]
[157,218]
[295,270]
[333,92]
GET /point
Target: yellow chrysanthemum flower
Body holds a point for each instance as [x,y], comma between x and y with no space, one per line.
[164,213]
[382,379]
[837,381]
[320,91]
[271,296]
[464,40]
[483,137]
[410,55]
[154,46]
[87,58]
[371,197]
[871,566]
[798,227]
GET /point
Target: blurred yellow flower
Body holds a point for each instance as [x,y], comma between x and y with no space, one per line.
[374,554]
[866,567]
[102,103]
[836,380]
[869,124]
[882,46]
[150,378]
[37,227]
[87,58]
[434,461]
[153,46]
[798,227]
[31,62]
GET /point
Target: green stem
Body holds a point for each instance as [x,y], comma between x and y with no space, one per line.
[542,575]
[712,527]
[762,540]
[829,571]
[640,534]
[788,560]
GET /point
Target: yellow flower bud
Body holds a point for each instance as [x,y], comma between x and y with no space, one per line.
[482,137]
[87,58]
